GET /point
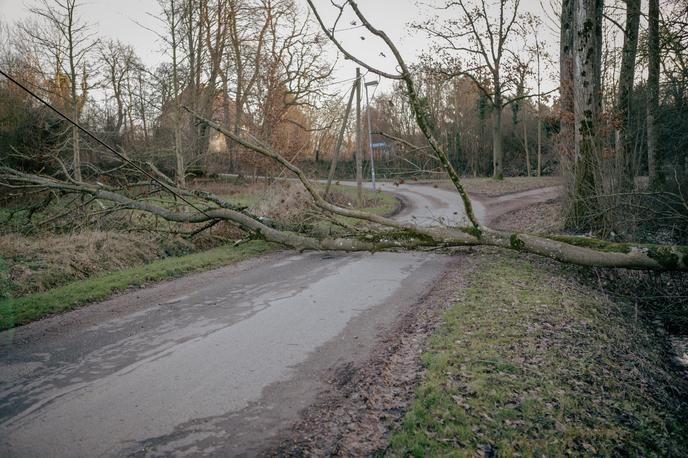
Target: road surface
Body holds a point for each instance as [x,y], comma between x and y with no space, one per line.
[218,363]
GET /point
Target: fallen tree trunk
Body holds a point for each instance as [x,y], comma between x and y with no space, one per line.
[573,250]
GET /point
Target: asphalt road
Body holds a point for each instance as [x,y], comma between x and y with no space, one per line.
[217,363]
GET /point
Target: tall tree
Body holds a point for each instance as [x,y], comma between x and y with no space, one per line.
[654,158]
[173,16]
[584,20]
[534,24]
[624,139]
[62,36]
[247,27]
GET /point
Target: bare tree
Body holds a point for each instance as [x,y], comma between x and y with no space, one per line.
[533,25]
[520,74]
[247,27]
[66,40]
[173,17]
[488,39]
[654,158]
[119,61]
[624,139]
[584,21]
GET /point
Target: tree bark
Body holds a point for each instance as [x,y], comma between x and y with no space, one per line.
[584,211]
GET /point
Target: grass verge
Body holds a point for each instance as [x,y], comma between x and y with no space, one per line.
[22,310]
[529,363]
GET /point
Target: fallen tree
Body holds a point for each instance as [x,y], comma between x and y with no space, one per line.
[381,234]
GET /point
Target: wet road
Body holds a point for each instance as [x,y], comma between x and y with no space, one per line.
[427,205]
[217,363]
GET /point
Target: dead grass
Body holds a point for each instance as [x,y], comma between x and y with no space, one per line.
[35,264]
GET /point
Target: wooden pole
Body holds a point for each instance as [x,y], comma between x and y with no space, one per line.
[359,149]
[340,139]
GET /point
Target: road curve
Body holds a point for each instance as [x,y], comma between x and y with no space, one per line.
[217,363]
[428,205]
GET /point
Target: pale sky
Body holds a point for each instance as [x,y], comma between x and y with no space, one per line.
[118,19]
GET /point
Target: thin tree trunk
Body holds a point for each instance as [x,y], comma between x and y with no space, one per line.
[539,144]
[624,139]
[497,152]
[525,145]
[180,174]
[76,151]
[539,112]
[654,158]
[566,132]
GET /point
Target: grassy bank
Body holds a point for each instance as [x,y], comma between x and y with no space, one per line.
[529,363]
[22,310]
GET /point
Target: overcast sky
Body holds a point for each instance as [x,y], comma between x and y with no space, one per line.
[120,19]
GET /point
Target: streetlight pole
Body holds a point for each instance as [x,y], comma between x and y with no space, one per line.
[370,133]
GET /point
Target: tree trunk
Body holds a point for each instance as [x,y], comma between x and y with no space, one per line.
[584,211]
[624,140]
[654,158]
[180,170]
[525,145]
[76,150]
[566,132]
[539,112]
[497,152]
[539,144]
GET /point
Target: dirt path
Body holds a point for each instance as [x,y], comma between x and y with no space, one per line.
[495,207]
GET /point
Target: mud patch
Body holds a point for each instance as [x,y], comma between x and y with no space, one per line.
[365,403]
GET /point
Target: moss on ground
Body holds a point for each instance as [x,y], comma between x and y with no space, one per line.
[22,310]
[528,363]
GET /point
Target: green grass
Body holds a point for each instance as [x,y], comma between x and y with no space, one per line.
[19,311]
[530,364]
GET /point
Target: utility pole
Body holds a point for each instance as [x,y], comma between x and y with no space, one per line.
[370,133]
[340,139]
[359,152]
